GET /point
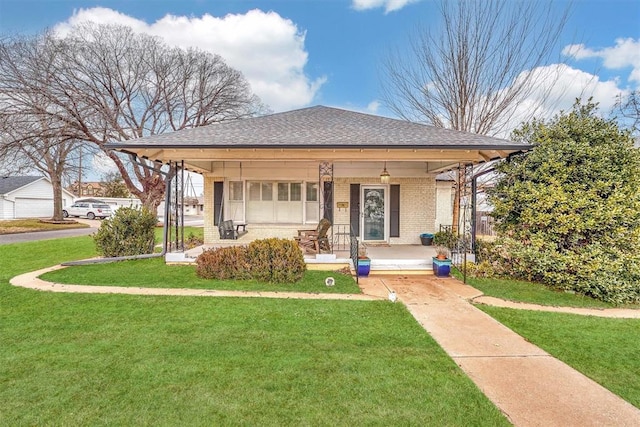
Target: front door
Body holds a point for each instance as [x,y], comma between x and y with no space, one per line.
[374,224]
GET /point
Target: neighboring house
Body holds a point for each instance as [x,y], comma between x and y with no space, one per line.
[87,189]
[282,172]
[445,193]
[193,206]
[28,197]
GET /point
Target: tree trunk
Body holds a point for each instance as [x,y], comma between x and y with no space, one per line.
[56,183]
[154,192]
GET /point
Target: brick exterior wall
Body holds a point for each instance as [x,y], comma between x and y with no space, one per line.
[417,210]
[417,205]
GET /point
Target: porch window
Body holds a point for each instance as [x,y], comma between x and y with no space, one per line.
[235,191]
[312,206]
[236,201]
[274,202]
[267,191]
[283,191]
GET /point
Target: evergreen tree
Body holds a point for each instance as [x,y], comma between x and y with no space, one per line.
[568,211]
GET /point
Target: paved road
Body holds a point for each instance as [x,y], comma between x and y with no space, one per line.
[5,239]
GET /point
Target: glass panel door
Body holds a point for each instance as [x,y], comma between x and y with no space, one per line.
[374,213]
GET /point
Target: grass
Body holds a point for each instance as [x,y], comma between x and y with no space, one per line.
[535,293]
[34,224]
[606,350]
[88,359]
[196,231]
[154,273]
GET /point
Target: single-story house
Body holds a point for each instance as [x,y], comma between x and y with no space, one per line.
[28,197]
[371,176]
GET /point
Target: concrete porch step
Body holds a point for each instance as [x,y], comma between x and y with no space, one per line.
[401,266]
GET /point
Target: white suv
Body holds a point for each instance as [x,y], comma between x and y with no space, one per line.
[91,210]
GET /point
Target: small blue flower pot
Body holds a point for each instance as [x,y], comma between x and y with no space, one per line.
[441,267]
[364,266]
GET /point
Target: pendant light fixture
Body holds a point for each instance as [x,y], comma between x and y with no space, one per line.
[384,176]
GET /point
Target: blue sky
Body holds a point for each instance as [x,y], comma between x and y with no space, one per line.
[298,53]
[329,52]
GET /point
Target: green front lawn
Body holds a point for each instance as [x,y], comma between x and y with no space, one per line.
[196,231]
[606,350]
[535,293]
[154,273]
[88,359]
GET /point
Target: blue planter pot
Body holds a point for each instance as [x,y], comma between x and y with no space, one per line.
[441,267]
[364,266]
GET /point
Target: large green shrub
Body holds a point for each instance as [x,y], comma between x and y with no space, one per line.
[445,238]
[568,211]
[129,231]
[267,260]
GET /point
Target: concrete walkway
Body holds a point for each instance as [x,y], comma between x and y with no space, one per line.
[529,386]
[526,383]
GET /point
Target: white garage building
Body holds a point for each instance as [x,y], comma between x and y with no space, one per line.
[28,197]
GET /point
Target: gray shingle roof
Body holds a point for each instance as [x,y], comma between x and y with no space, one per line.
[12,183]
[319,126]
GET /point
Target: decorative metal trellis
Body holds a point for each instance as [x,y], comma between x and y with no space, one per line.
[175,208]
[463,247]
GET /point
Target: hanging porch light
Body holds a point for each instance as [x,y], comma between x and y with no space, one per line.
[385,177]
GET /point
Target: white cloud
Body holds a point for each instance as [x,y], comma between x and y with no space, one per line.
[373,107]
[268,49]
[389,5]
[557,87]
[625,53]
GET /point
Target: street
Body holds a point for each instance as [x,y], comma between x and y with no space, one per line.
[5,239]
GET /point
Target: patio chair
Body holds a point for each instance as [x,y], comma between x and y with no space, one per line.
[315,241]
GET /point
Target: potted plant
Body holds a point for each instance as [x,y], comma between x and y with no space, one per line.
[364,262]
[441,262]
[426,239]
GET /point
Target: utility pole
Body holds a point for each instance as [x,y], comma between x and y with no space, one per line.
[80,175]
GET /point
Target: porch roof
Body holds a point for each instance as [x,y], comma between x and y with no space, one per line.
[320,130]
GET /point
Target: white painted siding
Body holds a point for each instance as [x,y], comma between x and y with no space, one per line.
[6,209]
[34,200]
[444,203]
[40,189]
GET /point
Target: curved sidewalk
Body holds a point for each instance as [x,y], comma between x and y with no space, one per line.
[530,387]
[30,280]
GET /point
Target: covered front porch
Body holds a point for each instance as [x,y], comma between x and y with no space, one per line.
[287,171]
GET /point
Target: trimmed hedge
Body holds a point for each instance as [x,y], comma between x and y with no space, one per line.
[268,260]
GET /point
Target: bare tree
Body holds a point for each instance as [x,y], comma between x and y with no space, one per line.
[473,72]
[109,83]
[30,140]
[627,111]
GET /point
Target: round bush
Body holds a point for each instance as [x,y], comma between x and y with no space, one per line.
[130,231]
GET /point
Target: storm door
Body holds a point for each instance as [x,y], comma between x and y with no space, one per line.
[375,215]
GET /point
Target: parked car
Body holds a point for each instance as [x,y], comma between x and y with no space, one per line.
[91,210]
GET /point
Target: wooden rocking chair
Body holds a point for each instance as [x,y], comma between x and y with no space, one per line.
[315,241]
